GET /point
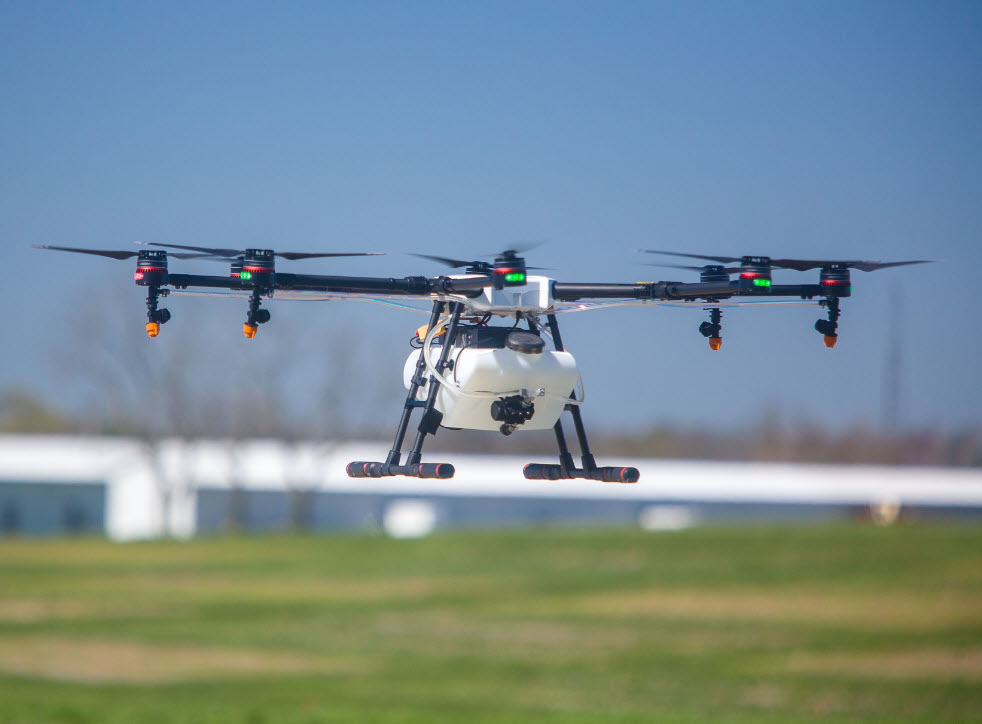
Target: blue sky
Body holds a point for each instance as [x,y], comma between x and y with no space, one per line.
[795,129]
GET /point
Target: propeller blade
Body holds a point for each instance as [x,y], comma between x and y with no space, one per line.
[720,259]
[194,255]
[705,268]
[519,248]
[795,264]
[803,264]
[294,255]
[447,261]
[207,250]
[120,255]
[866,266]
[224,254]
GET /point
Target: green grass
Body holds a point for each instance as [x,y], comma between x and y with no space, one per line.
[848,624]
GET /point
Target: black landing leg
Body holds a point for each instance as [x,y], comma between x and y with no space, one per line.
[566,469]
[430,422]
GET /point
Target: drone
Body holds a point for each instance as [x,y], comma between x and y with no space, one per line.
[463,371]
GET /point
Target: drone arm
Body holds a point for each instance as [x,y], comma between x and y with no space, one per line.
[405,286]
[698,290]
[362,285]
[805,291]
[183,281]
[565,292]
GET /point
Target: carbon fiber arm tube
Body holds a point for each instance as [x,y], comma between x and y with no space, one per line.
[367,285]
[806,291]
[183,281]
[642,290]
[405,286]
[408,286]
[566,292]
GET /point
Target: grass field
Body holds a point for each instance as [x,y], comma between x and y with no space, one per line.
[848,623]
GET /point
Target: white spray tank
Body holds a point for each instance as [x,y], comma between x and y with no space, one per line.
[499,378]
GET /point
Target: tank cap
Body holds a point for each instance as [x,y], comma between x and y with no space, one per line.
[525,342]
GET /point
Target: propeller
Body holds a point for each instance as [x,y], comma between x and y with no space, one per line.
[720,259]
[866,266]
[799,264]
[208,251]
[452,263]
[516,249]
[113,254]
[480,266]
[706,268]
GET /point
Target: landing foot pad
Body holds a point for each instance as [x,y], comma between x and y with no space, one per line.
[361,469]
[540,471]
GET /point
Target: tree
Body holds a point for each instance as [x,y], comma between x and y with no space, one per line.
[23,412]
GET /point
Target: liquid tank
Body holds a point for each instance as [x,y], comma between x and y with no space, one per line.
[483,372]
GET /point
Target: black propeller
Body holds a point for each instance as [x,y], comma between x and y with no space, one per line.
[452,263]
[113,254]
[480,266]
[799,264]
[516,249]
[720,259]
[866,266]
[706,268]
[208,251]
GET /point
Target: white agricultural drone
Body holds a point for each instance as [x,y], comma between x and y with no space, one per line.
[466,373]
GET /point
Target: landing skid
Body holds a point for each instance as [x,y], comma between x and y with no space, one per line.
[567,469]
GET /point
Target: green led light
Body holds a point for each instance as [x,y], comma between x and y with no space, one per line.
[245,275]
[515,277]
[762,282]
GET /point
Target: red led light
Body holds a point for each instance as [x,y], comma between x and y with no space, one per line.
[257,269]
[141,272]
[836,282]
[752,275]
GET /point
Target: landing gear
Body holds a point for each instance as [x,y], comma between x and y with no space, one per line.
[510,411]
[155,317]
[431,419]
[567,469]
[829,327]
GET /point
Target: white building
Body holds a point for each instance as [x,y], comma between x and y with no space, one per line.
[127,490]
